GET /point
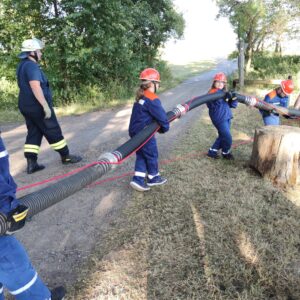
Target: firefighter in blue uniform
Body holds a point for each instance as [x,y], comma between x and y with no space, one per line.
[146,109]
[16,271]
[277,97]
[221,115]
[35,104]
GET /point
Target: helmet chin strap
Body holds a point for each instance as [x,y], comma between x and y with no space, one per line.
[35,56]
[155,89]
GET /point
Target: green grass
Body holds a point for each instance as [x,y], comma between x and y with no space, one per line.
[10,116]
[177,74]
[216,230]
[185,71]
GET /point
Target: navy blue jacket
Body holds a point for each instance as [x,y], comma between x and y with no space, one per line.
[220,110]
[145,111]
[27,71]
[8,187]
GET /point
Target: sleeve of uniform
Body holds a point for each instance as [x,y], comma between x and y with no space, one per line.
[267,99]
[285,102]
[8,187]
[32,71]
[159,114]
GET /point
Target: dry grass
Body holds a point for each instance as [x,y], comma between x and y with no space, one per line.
[217,230]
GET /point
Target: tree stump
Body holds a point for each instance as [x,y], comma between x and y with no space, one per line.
[276,154]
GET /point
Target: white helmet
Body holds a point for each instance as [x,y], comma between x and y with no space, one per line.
[32,45]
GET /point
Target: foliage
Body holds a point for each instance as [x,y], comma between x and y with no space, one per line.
[233,55]
[88,42]
[258,22]
[8,95]
[270,66]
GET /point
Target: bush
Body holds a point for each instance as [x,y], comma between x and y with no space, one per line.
[234,54]
[8,94]
[93,95]
[270,66]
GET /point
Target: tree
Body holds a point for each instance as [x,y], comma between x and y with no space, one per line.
[88,42]
[256,21]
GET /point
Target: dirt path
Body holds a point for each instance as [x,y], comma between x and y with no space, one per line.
[60,238]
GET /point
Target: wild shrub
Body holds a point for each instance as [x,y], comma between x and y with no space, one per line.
[273,66]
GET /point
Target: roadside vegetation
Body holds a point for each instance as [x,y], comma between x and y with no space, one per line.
[93,64]
[217,230]
[93,99]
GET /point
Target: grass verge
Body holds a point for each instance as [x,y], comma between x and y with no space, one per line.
[177,74]
[217,230]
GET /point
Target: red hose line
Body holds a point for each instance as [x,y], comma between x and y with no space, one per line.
[163,162]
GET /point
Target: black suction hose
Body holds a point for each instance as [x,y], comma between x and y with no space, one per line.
[248,100]
[48,196]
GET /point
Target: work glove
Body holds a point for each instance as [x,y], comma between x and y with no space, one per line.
[230,96]
[160,130]
[16,219]
[47,110]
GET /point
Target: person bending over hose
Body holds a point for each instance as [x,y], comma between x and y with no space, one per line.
[278,97]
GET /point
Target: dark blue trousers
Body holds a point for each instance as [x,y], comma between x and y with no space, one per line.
[224,139]
[147,159]
[17,273]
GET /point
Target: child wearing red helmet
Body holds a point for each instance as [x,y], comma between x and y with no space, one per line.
[221,115]
[277,97]
[146,109]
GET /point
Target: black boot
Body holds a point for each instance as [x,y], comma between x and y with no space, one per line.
[70,159]
[228,156]
[58,293]
[33,166]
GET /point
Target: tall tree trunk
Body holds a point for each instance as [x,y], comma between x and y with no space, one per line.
[248,59]
[55,8]
[249,50]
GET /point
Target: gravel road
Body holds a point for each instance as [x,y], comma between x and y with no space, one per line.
[60,238]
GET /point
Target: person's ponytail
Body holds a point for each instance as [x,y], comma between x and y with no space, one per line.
[140,92]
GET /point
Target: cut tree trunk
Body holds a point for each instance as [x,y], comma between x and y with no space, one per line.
[275,154]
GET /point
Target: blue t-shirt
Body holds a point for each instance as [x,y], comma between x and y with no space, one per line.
[27,71]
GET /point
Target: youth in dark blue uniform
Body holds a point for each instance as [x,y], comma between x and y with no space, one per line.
[277,97]
[16,272]
[221,115]
[146,109]
[35,104]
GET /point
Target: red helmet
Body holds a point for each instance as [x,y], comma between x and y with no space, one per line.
[150,74]
[287,86]
[220,77]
